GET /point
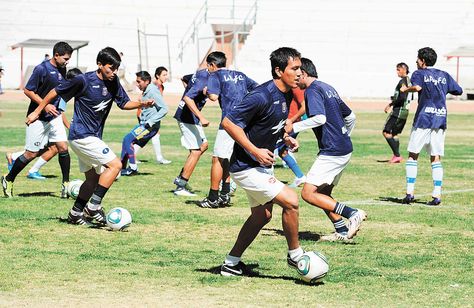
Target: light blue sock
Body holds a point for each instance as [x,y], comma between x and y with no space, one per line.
[293,165]
[411,172]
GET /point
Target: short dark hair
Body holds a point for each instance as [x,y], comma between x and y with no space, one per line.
[404,65]
[108,55]
[218,58]
[279,58]
[308,66]
[62,48]
[428,55]
[143,75]
[73,72]
[159,70]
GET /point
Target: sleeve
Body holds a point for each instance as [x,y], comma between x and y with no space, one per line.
[350,121]
[187,78]
[345,110]
[453,86]
[243,112]
[160,106]
[314,102]
[213,84]
[36,78]
[417,79]
[121,97]
[71,88]
[251,84]
[197,87]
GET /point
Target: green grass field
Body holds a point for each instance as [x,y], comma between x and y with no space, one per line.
[403,256]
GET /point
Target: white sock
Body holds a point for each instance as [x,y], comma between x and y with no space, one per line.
[157,146]
[133,166]
[136,148]
[15,155]
[93,206]
[295,254]
[437,174]
[411,171]
[231,260]
[37,166]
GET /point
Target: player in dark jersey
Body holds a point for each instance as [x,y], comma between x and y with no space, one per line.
[227,87]
[398,116]
[191,122]
[50,127]
[256,123]
[94,93]
[332,122]
[429,124]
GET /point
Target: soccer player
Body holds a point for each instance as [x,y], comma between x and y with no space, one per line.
[191,122]
[256,123]
[149,122]
[227,87]
[50,127]
[332,122]
[398,117]
[94,93]
[429,124]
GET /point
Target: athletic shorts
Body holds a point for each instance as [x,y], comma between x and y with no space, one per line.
[92,153]
[192,135]
[224,145]
[432,140]
[40,133]
[394,125]
[259,184]
[143,139]
[327,169]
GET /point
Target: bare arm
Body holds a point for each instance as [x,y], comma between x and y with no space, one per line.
[194,109]
[32,117]
[65,121]
[299,114]
[404,89]
[138,104]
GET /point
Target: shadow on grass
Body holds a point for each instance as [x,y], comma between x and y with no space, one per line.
[198,204]
[400,201]
[303,235]
[382,161]
[38,194]
[92,225]
[50,176]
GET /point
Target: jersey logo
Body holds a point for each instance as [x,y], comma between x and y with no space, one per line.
[234,79]
[278,127]
[104,91]
[96,86]
[102,105]
[52,73]
[276,102]
[283,107]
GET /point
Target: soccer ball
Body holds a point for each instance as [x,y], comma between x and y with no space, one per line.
[233,187]
[73,188]
[313,266]
[118,219]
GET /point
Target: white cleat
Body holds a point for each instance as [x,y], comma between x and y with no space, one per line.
[181,191]
[354,223]
[336,237]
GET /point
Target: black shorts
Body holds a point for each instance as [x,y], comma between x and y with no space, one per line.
[394,125]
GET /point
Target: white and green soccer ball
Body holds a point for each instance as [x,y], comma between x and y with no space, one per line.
[313,266]
[73,188]
[118,219]
[233,187]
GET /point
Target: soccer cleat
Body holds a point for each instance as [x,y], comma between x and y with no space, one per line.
[128,172]
[35,176]
[164,161]
[436,201]
[206,203]
[408,199]
[236,270]
[10,161]
[182,191]
[395,160]
[224,200]
[291,263]
[336,237]
[354,223]
[7,187]
[98,215]
[298,181]
[77,219]
[64,194]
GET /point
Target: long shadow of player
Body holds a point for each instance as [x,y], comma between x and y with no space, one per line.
[400,201]
[38,194]
[92,225]
[303,235]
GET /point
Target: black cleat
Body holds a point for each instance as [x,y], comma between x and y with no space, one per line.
[237,270]
[224,200]
[434,202]
[98,215]
[76,219]
[408,199]
[206,203]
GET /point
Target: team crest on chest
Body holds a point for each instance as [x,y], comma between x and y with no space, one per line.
[104,91]
[283,107]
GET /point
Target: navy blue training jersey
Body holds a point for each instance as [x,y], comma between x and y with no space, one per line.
[230,86]
[194,91]
[333,138]
[93,100]
[435,84]
[262,115]
[44,78]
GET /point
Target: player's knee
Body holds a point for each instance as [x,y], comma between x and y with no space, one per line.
[115,164]
[203,148]
[308,192]
[62,147]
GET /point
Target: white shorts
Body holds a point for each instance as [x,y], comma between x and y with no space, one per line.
[432,140]
[259,184]
[224,145]
[92,153]
[192,135]
[327,169]
[39,133]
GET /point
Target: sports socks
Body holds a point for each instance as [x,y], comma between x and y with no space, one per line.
[97,196]
[213,195]
[231,260]
[20,164]
[394,144]
[136,148]
[40,162]
[65,164]
[157,147]
[340,226]
[225,188]
[133,166]
[15,155]
[293,165]
[437,174]
[79,206]
[295,254]
[411,171]
[344,210]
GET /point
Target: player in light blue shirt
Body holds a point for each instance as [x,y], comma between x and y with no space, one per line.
[430,122]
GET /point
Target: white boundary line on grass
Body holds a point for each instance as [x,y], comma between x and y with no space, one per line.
[378,202]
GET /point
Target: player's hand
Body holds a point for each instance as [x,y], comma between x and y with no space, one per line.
[289,126]
[147,103]
[292,143]
[387,108]
[51,110]
[32,117]
[204,91]
[403,88]
[204,122]
[264,157]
